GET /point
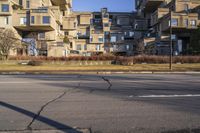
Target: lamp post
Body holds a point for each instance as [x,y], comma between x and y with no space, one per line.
[171,41]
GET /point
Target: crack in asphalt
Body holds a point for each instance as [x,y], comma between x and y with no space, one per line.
[42,108]
[109,83]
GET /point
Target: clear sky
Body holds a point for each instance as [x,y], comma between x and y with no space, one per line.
[96,5]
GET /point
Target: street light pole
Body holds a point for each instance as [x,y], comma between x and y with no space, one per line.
[171,41]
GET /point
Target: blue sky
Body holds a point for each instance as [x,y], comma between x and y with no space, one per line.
[96,5]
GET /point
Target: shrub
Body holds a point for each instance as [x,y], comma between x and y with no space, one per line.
[34,63]
[116,59]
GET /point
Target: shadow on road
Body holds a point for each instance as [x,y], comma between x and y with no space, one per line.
[50,122]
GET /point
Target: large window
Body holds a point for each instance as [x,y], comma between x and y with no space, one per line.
[27,3]
[91,39]
[174,22]
[85,47]
[131,33]
[113,39]
[5,8]
[23,20]
[46,20]
[186,7]
[6,20]
[78,47]
[193,23]
[41,35]
[106,25]
[32,19]
[21,2]
[127,47]
[185,22]
[98,47]
[101,39]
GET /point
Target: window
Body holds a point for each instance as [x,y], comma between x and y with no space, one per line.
[5,8]
[186,7]
[106,16]
[125,33]
[118,21]
[71,45]
[100,39]
[85,47]
[91,39]
[23,20]
[113,39]
[174,22]
[131,34]
[46,20]
[127,47]
[106,25]
[122,38]
[32,19]
[78,47]
[27,3]
[106,33]
[66,33]
[41,35]
[64,53]
[74,24]
[185,22]
[6,20]
[98,47]
[21,2]
[193,23]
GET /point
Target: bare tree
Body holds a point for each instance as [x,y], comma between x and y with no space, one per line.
[139,47]
[8,41]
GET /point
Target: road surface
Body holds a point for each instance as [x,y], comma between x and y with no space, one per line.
[135,103]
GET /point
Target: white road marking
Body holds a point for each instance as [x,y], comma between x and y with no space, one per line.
[168,96]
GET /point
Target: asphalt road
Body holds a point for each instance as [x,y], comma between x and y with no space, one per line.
[137,103]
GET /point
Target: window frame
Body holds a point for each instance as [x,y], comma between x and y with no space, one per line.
[32,19]
[5,6]
[46,21]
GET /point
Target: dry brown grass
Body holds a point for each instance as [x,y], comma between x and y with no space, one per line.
[136,67]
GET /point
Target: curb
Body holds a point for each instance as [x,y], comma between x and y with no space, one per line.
[50,131]
[97,72]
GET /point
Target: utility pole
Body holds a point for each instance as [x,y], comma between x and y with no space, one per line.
[171,41]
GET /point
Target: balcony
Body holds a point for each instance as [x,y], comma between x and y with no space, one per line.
[140,24]
[62,3]
[180,22]
[34,20]
[69,23]
[83,36]
[97,38]
[44,36]
[119,48]
[159,13]
[151,5]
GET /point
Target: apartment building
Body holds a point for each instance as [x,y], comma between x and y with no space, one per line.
[100,32]
[51,28]
[37,23]
[182,15]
